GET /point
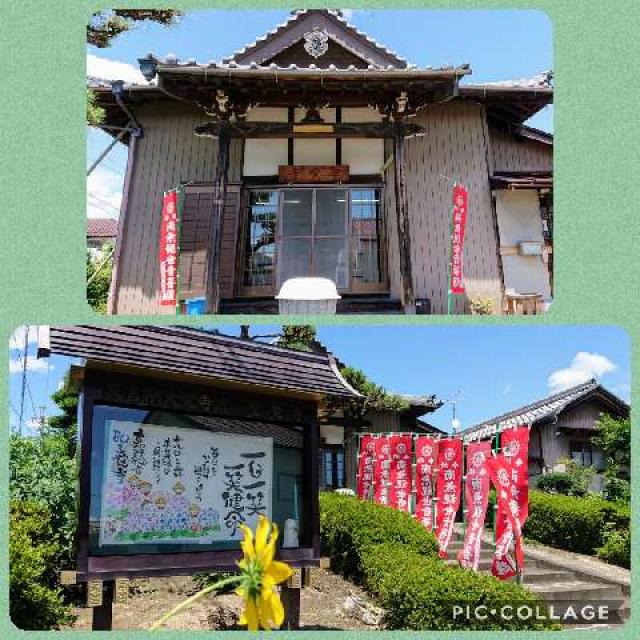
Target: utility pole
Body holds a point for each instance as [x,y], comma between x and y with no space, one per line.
[42,418]
[24,378]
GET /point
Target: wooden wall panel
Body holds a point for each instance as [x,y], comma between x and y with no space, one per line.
[169,153]
[510,153]
[455,147]
[229,242]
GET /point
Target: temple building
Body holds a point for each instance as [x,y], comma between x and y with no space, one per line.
[315,151]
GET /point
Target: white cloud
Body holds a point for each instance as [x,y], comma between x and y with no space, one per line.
[347,14]
[583,367]
[106,69]
[506,389]
[16,341]
[34,365]
[104,193]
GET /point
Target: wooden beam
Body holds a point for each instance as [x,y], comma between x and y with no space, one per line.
[243,129]
[402,215]
[220,197]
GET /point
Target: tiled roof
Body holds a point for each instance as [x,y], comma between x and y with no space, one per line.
[537,411]
[297,15]
[542,80]
[188,351]
[102,227]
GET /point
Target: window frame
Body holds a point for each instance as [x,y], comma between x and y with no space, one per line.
[353,287]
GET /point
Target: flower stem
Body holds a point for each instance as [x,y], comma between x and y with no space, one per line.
[194,598]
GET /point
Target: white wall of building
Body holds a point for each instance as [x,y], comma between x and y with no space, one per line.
[519,221]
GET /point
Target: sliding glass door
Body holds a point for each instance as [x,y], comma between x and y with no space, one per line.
[313,235]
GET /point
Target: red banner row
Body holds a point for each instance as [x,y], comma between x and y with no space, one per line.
[386,474]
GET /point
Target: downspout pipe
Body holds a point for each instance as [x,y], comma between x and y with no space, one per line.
[117,89]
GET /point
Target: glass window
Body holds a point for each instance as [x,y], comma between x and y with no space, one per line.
[332,469]
[164,482]
[260,247]
[581,452]
[325,232]
[366,236]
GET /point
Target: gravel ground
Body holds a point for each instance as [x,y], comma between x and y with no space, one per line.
[322,606]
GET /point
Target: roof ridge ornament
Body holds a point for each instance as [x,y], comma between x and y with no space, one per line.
[316,42]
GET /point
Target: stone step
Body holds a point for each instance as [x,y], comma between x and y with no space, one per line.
[575,590]
[484,565]
[537,576]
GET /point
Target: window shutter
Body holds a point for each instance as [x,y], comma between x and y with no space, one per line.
[199,238]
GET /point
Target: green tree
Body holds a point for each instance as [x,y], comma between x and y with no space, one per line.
[613,436]
[376,397]
[106,25]
[41,472]
[297,336]
[95,114]
[99,271]
[65,423]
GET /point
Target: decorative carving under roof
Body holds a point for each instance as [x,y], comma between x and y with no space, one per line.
[316,42]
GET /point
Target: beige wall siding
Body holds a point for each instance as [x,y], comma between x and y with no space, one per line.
[168,153]
[455,147]
[518,154]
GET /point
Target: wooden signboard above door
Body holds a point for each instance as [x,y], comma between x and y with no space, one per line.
[313,174]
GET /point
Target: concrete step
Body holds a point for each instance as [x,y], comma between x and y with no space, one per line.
[536,575]
[576,590]
[484,565]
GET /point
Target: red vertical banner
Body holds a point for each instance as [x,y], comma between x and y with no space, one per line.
[515,448]
[426,457]
[477,486]
[458,224]
[168,250]
[448,489]
[502,475]
[366,463]
[400,476]
[382,469]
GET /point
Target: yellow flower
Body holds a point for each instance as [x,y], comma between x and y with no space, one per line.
[260,574]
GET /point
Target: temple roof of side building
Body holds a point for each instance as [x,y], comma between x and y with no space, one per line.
[202,354]
[547,408]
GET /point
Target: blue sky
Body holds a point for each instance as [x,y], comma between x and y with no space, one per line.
[488,370]
[499,45]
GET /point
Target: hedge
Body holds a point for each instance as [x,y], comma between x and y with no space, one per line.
[574,524]
[395,559]
[348,526]
[35,600]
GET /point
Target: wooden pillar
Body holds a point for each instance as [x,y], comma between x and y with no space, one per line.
[220,195]
[102,618]
[402,215]
[290,597]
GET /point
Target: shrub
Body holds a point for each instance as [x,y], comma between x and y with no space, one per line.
[617,548]
[395,559]
[617,489]
[349,526]
[35,601]
[40,471]
[420,593]
[560,482]
[571,523]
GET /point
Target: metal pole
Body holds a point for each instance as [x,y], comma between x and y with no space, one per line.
[101,157]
